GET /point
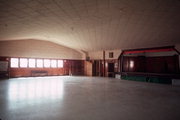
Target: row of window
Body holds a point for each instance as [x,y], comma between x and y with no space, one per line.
[35,63]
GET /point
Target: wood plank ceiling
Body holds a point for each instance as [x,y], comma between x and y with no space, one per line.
[91,25]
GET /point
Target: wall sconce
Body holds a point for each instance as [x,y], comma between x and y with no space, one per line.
[131,64]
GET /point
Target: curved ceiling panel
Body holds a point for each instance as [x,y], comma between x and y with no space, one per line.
[91,25]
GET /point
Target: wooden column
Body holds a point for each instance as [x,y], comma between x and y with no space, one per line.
[104,66]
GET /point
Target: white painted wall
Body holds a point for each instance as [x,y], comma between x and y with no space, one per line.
[116,54]
[37,49]
[99,54]
[96,55]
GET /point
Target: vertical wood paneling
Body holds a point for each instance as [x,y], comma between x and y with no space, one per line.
[164,64]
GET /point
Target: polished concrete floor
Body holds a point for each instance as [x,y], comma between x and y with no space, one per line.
[87,98]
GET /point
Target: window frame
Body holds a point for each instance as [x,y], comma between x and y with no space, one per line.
[58,65]
[42,60]
[18,62]
[29,62]
[55,64]
[26,63]
[48,65]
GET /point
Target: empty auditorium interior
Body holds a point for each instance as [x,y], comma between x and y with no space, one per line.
[89,59]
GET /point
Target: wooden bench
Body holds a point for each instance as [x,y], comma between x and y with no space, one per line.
[39,73]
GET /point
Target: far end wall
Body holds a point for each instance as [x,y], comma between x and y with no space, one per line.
[99,67]
[98,55]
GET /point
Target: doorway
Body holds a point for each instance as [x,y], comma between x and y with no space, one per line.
[97,68]
[110,69]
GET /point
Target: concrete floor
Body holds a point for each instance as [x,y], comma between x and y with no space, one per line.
[87,98]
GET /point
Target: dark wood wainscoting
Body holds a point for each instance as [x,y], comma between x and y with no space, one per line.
[70,67]
[162,64]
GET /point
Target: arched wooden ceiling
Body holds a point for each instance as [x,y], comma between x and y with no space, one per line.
[91,25]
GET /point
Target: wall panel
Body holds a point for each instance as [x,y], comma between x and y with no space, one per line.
[37,49]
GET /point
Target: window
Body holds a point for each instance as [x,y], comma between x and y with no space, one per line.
[111,55]
[60,63]
[32,63]
[53,63]
[23,62]
[14,62]
[35,63]
[39,63]
[46,63]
